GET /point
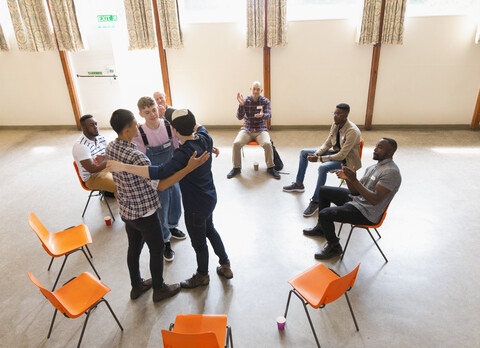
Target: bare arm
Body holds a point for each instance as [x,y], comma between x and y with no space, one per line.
[356,187]
[90,164]
[116,167]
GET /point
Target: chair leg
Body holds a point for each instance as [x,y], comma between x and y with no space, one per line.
[351,311]
[90,262]
[85,323]
[379,236]
[111,311]
[53,321]
[229,337]
[108,205]
[346,244]
[340,230]
[377,245]
[86,205]
[59,273]
[288,303]
[89,253]
[305,304]
[171,326]
[50,265]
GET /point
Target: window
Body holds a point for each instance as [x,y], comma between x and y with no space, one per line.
[322,9]
[440,7]
[212,11]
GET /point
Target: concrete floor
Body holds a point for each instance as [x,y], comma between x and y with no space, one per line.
[424,296]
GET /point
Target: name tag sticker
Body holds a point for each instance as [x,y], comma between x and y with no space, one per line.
[259,107]
[168,145]
[373,177]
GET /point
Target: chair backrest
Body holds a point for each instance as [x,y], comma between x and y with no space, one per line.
[362,142]
[181,340]
[339,286]
[42,233]
[80,178]
[48,294]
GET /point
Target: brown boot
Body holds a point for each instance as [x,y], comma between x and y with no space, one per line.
[225,270]
[140,288]
[196,280]
[166,291]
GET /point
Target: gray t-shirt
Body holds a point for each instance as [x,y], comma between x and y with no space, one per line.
[386,174]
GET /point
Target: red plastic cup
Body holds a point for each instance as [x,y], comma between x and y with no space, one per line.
[108,220]
[281,323]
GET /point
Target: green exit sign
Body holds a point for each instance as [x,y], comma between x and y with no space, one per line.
[107,18]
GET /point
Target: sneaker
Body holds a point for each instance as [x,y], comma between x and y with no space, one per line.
[311,209]
[329,250]
[294,188]
[225,270]
[168,254]
[196,280]
[140,288]
[314,231]
[233,172]
[166,291]
[273,172]
[177,234]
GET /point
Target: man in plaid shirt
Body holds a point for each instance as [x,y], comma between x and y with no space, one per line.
[254,111]
[139,202]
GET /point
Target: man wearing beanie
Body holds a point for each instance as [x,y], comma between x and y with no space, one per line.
[198,192]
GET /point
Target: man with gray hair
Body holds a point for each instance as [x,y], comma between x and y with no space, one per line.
[254,110]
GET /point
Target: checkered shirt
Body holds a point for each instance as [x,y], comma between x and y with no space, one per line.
[135,195]
[247,112]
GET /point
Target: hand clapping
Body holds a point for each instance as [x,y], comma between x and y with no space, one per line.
[240,99]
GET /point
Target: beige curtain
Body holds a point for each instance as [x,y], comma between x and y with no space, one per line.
[392,22]
[170,23]
[31,25]
[66,26]
[140,24]
[3,42]
[276,23]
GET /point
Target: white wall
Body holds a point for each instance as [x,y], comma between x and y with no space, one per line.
[432,79]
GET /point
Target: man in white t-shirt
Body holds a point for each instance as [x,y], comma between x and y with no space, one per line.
[89,154]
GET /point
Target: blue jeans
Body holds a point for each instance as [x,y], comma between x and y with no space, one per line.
[170,198]
[200,228]
[323,169]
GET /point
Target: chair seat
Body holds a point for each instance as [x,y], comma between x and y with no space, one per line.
[80,294]
[70,239]
[198,323]
[312,283]
[253,142]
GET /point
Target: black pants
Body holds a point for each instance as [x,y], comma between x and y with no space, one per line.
[145,230]
[341,213]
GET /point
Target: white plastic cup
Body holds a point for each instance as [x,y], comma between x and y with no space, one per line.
[281,322]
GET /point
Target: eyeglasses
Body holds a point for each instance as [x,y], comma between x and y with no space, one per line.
[337,113]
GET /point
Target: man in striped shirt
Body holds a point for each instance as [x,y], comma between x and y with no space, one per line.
[254,111]
[89,154]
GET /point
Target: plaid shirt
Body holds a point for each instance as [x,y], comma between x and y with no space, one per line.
[135,195]
[247,112]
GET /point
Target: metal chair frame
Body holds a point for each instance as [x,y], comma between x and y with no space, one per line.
[371,236]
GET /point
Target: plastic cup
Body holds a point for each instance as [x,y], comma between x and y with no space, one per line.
[281,323]
[108,220]
[255,166]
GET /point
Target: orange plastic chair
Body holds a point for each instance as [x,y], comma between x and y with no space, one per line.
[362,142]
[62,243]
[100,193]
[318,286]
[78,296]
[199,331]
[366,227]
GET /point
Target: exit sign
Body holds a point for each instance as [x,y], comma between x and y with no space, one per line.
[107,18]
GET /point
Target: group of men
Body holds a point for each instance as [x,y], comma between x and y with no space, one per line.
[147,172]
[365,200]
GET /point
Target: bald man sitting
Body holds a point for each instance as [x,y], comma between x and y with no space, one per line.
[254,110]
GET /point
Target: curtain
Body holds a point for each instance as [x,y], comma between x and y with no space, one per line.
[140,24]
[3,42]
[30,24]
[170,23]
[66,26]
[392,22]
[276,23]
